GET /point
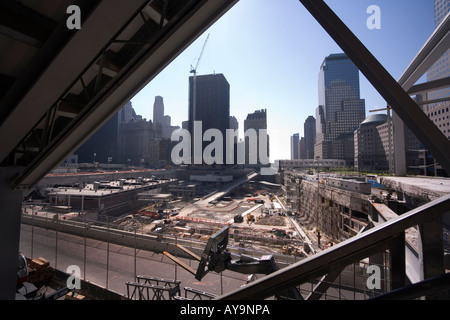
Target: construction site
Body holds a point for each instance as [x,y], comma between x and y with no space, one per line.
[307,233]
[257,221]
[305,215]
[257,226]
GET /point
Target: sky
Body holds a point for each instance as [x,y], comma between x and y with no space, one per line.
[270,51]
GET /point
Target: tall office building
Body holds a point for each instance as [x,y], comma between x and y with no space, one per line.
[340,110]
[234,124]
[295,140]
[158,110]
[161,122]
[310,136]
[256,121]
[302,148]
[134,145]
[212,106]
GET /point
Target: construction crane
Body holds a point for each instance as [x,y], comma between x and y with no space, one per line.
[194,71]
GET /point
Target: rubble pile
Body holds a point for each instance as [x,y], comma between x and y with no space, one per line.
[135,222]
[271,221]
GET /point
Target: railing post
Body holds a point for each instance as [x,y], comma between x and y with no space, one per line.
[398,261]
[379,260]
[431,234]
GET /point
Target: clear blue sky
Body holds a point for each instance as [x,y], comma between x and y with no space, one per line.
[270,51]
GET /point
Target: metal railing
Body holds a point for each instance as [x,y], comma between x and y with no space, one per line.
[321,270]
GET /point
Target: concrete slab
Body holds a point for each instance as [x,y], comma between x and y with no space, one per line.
[428,188]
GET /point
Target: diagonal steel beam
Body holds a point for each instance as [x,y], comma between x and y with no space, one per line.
[424,129]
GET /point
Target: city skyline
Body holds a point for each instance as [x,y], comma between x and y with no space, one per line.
[269,68]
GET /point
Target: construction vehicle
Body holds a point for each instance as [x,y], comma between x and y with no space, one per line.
[217,258]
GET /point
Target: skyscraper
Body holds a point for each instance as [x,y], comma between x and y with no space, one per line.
[234,124]
[310,136]
[340,109]
[302,148]
[256,121]
[158,110]
[212,105]
[295,139]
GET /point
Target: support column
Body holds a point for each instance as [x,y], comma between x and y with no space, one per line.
[398,261]
[432,248]
[10,217]
[399,146]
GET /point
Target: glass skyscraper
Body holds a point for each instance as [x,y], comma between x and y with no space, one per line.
[338,80]
[340,109]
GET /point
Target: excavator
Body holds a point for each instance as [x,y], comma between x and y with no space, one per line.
[217,258]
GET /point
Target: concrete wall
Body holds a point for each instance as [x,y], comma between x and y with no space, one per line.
[337,213]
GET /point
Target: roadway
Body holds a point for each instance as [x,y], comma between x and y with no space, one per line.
[111,266]
[225,190]
[229,187]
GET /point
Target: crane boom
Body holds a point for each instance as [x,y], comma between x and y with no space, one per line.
[194,71]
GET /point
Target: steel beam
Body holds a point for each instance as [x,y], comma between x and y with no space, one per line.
[29,26]
[432,251]
[433,49]
[398,260]
[11,205]
[424,129]
[59,60]
[433,286]
[178,34]
[430,86]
